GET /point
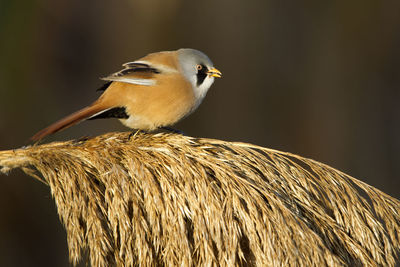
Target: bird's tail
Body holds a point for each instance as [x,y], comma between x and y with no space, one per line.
[70,120]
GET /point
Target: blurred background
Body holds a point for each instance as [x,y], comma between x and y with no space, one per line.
[315,78]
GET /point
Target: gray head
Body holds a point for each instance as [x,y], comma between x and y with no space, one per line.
[198,70]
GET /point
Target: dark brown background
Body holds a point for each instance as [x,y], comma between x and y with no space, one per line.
[315,78]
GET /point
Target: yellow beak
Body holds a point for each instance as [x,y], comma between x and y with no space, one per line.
[213,72]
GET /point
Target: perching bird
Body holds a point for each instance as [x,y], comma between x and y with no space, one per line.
[155,91]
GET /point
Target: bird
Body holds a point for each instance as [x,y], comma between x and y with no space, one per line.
[154,91]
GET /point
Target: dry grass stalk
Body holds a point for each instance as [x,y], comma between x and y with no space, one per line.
[168,199]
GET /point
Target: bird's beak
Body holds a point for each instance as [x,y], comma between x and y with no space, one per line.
[213,72]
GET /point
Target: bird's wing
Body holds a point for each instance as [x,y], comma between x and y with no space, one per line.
[135,73]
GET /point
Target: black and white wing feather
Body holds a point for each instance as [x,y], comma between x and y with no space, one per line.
[135,73]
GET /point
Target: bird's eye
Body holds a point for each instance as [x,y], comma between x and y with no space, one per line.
[199,67]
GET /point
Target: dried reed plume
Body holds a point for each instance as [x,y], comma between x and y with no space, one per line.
[173,200]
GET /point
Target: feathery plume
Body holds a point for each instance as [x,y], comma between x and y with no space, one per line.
[168,199]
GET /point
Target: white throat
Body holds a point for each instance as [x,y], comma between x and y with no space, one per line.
[201,91]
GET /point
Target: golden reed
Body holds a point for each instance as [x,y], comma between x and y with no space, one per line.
[169,200]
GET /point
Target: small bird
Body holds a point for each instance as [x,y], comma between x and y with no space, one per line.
[155,91]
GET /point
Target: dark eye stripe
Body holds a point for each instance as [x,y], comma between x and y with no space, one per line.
[201,75]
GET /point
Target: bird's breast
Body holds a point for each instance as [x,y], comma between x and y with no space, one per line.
[150,107]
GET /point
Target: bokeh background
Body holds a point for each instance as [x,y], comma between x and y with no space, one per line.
[316,78]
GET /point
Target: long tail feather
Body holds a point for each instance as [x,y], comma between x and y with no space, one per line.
[68,121]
